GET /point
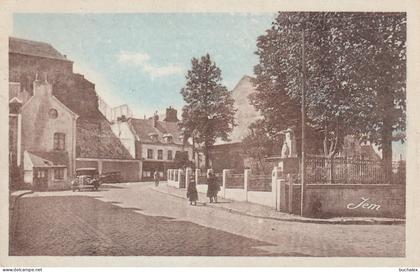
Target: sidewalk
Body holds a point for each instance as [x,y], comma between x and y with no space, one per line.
[263,212]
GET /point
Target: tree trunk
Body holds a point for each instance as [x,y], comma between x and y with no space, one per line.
[388,107]
[206,155]
[387,149]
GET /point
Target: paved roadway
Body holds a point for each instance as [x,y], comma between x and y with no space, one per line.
[132,219]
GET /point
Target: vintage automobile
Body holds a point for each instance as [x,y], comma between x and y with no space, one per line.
[110,177]
[86,178]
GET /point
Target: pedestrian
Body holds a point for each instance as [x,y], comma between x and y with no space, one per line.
[212,187]
[192,193]
[156,178]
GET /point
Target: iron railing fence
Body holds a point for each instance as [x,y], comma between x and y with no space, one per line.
[261,183]
[219,178]
[341,170]
[202,179]
[235,181]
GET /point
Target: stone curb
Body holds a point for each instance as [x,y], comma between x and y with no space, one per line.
[367,221]
[14,198]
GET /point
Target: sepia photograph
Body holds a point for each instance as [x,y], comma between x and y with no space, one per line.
[202,134]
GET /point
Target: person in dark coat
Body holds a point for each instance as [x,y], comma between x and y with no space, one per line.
[192,193]
[156,178]
[212,187]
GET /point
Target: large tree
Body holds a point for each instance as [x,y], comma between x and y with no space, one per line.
[208,113]
[258,145]
[354,66]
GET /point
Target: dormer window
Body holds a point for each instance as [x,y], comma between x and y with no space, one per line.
[169,138]
[154,137]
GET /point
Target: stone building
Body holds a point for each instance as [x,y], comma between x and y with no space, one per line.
[42,138]
[95,143]
[153,141]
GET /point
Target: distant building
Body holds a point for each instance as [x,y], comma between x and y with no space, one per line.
[225,155]
[152,141]
[230,155]
[352,148]
[95,143]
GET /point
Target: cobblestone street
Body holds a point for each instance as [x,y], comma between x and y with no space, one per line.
[133,220]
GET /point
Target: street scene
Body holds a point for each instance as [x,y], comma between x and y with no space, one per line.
[135,219]
[266,134]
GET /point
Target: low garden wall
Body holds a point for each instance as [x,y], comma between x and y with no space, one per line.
[371,200]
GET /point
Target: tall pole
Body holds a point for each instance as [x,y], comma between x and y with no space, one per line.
[302,178]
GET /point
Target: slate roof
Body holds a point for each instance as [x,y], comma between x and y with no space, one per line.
[95,139]
[369,153]
[16,93]
[34,48]
[143,128]
[48,159]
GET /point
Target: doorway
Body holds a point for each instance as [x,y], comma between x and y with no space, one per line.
[40,179]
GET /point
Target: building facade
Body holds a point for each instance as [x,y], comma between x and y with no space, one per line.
[92,143]
[154,142]
[44,139]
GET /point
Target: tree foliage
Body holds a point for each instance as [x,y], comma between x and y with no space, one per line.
[209,112]
[181,160]
[257,145]
[355,75]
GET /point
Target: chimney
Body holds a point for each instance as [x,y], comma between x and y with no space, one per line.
[122,118]
[171,115]
[155,119]
[42,88]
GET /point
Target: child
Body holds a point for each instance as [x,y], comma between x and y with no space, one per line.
[192,194]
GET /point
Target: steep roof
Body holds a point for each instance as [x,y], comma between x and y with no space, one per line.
[144,128]
[16,94]
[34,48]
[48,159]
[369,153]
[246,113]
[95,139]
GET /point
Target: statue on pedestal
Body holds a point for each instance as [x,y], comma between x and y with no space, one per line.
[288,149]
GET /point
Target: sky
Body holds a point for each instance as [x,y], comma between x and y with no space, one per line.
[141,59]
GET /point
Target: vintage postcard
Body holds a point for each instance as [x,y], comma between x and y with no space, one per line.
[192,130]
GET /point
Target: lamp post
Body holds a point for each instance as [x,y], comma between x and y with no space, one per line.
[302,178]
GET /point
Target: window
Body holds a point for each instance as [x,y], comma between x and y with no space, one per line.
[53,114]
[40,174]
[150,153]
[59,141]
[59,173]
[169,140]
[170,155]
[160,154]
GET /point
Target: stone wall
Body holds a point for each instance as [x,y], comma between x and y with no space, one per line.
[130,170]
[355,200]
